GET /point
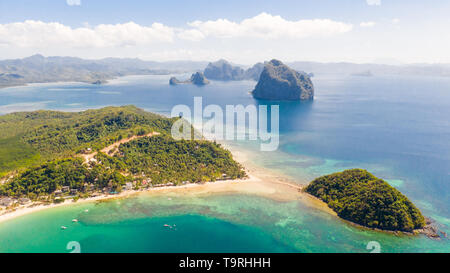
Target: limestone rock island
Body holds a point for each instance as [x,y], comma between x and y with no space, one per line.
[197,78]
[224,71]
[279,82]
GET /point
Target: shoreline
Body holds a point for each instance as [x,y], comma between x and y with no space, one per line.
[105,80]
[260,182]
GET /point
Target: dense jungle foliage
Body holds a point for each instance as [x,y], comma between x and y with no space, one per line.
[28,138]
[360,197]
[166,160]
[51,176]
[40,152]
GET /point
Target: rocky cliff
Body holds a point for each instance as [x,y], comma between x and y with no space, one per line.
[199,79]
[224,71]
[279,82]
[254,72]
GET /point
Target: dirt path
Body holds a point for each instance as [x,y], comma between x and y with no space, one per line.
[108,149]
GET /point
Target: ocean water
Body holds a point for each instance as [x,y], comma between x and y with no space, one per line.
[396,127]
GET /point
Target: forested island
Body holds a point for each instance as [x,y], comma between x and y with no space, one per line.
[359,197]
[50,156]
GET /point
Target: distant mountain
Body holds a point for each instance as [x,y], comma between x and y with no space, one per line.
[40,69]
[375,69]
[279,82]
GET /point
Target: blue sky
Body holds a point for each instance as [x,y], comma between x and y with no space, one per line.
[243,31]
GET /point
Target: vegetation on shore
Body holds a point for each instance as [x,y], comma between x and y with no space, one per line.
[40,154]
[164,160]
[358,196]
[30,138]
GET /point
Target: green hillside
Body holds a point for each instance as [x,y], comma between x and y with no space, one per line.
[360,197]
[28,138]
[42,151]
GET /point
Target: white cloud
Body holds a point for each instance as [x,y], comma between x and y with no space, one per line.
[191,35]
[267,26]
[367,24]
[73,2]
[373,2]
[40,34]
[220,38]
[395,20]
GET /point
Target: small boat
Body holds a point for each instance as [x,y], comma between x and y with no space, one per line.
[86,210]
[74,220]
[166,225]
[63,227]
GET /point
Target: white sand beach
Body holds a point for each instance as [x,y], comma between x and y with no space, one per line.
[260,182]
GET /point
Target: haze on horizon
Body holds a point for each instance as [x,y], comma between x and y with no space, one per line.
[243,32]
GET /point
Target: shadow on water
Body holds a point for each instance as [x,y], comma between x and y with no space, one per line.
[292,113]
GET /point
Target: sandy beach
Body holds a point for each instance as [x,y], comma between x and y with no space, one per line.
[260,182]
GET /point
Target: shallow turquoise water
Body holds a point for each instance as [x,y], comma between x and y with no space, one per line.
[397,128]
[227,223]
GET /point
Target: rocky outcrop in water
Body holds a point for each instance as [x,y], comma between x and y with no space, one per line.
[197,78]
[279,82]
[431,230]
[174,81]
[224,71]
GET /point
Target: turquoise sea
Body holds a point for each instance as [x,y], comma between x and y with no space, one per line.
[396,127]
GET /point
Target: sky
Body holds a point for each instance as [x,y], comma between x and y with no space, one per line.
[241,31]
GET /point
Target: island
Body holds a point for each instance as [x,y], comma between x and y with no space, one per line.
[224,71]
[254,72]
[52,156]
[359,197]
[49,157]
[279,82]
[197,78]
